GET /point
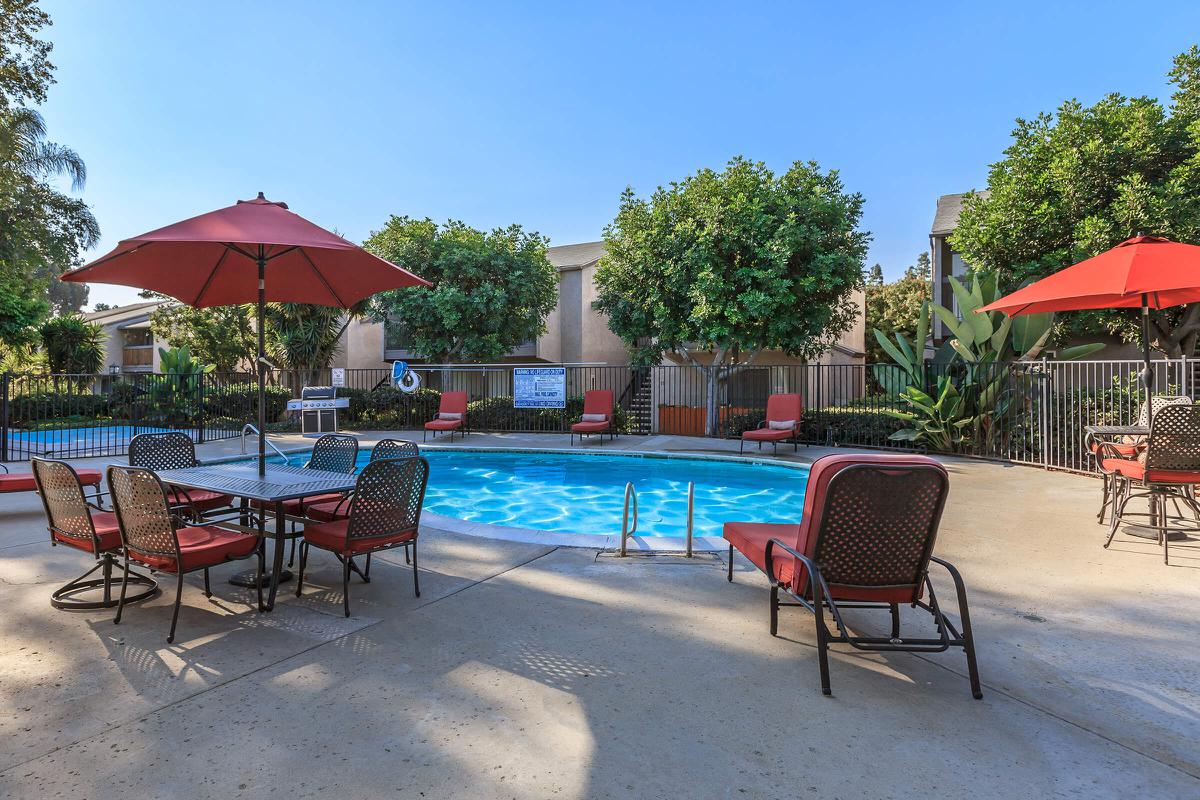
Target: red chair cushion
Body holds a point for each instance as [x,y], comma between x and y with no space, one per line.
[767,435]
[24,482]
[202,546]
[443,424]
[332,536]
[1127,450]
[202,499]
[107,531]
[591,427]
[1132,468]
[328,511]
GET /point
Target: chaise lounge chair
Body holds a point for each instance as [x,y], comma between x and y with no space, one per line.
[451,416]
[782,422]
[864,541]
[597,415]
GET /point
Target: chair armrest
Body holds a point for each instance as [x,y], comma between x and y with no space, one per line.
[5,468]
[815,578]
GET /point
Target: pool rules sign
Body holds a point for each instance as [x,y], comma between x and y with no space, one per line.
[539,387]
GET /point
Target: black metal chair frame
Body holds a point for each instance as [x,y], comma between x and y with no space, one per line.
[364,511]
[818,597]
[333,452]
[175,522]
[167,450]
[1173,445]
[65,596]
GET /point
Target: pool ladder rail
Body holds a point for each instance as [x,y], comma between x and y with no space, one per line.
[248,428]
[631,497]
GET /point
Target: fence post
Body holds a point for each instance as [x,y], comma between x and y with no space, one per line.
[4,382]
[1044,412]
[1185,376]
[200,409]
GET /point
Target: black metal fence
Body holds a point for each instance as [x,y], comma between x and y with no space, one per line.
[1030,412]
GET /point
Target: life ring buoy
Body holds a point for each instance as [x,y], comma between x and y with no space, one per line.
[404,378]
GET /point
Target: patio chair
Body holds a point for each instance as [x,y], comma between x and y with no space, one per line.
[1165,472]
[451,416]
[175,450]
[782,423]
[384,514]
[83,523]
[1128,448]
[597,416]
[330,510]
[25,481]
[154,537]
[865,540]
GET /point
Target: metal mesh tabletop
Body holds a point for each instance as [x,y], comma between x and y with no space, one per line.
[1117,430]
[241,479]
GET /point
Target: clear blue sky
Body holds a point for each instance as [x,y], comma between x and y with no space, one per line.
[542,114]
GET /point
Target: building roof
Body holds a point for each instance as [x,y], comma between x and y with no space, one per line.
[113,316]
[949,207]
[567,256]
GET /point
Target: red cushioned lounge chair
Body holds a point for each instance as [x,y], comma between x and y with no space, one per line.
[84,524]
[451,416]
[175,450]
[1166,472]
[384,514]
[865,540]
[154,537]
[782,422]
[597,415]
[25,482]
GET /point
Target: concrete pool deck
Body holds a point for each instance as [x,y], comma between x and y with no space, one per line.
[529,670]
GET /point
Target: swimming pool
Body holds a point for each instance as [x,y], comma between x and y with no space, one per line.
[585,493]
[84,441]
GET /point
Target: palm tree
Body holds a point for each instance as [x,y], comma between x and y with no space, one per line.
[305,338]
[25,152]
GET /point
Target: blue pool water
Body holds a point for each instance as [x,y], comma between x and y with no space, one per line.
[585,493]
[78,441]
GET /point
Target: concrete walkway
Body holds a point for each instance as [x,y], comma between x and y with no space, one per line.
[532,671]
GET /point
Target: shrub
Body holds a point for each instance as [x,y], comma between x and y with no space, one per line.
[73,345]
[240,401]
[41,407]
[388,408]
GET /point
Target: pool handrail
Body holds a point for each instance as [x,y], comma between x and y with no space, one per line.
[626,531]
[248,428]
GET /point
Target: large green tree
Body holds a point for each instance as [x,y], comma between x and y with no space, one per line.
[223,336]
[305,338]
[42,230]
[723,265]
[1077,182]
[896,307]
[491,291]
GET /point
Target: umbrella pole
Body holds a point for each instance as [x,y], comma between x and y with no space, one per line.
[1147,371]
[262,374]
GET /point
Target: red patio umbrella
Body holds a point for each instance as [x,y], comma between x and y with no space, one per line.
[255,251]
[1144,272]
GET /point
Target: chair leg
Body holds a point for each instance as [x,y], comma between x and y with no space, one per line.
[416,576]
[207,587]
[178,600]
[292,550]
[729,566]
[121,601]
[260,552]
[366,574]
[774,610]
[1104,480]
[1163,531]
[346,585]
[741,446]
[895,609]
[964,615]
[822,645]
[1120,498]
[303,563]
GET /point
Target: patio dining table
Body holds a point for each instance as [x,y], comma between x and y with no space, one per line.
[279,484]
[1110,433]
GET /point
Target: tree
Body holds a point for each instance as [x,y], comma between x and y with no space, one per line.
[1078,182]
[42,230]
[305,338]
[723,265]
[491,291]
[102,307]
[73,345]
[223,336]
[895,307]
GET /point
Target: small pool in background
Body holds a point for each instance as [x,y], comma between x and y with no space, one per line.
[83,441]
[585,493]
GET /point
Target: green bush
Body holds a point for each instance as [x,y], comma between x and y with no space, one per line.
[388,408]
[38,407]
[240,401]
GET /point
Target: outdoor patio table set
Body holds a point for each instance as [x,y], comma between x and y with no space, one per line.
[170,514]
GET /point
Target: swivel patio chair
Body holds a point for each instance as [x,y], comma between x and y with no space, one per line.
[1129,447]
[83,523]
[865,540]
[384,514]
[1164,472]
[597,416]
[784,412]
[451,416]
[175,450]
[154,537]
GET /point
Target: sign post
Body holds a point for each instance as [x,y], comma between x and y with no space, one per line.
[539,387]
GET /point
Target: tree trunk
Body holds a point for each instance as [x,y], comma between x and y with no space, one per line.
[712,416]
